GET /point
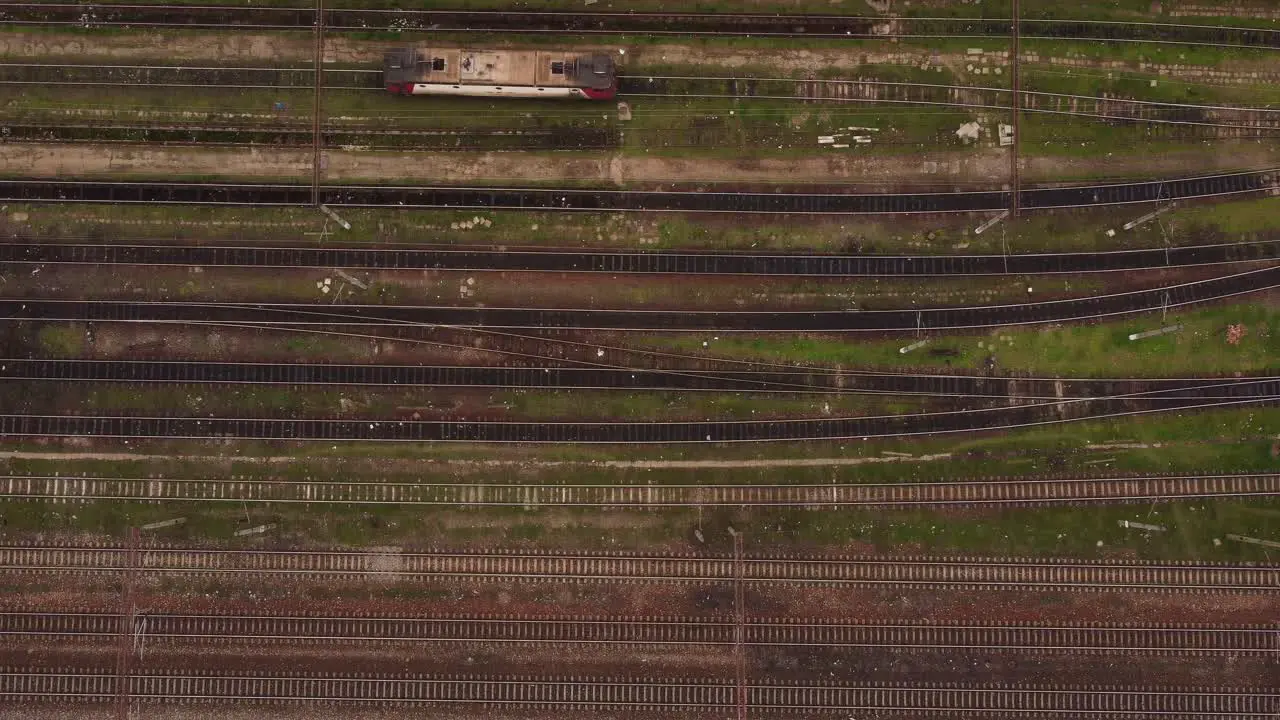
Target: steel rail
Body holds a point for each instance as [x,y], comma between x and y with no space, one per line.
[508,566]
[617,497]
[59,251]
[646,23]
[160,627]
[716,198]
[297,137]
[582,432]
[563,139]
[918,320]
[20,684]
[1184,114]
[1055,390]
[635,83]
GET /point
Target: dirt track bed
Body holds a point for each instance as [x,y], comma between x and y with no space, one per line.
[1223,440]
[125,162]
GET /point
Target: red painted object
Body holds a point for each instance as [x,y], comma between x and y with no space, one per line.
[528,74]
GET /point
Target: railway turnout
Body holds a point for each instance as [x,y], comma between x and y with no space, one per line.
[710,263]
[631,378]
[911,320]
[711,199]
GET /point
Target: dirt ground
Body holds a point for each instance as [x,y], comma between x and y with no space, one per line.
[712,601]
[986,166]
[296,48]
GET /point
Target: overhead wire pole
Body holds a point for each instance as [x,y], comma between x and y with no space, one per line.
[316,137]
[1017,112]
[125,651]
[739,629]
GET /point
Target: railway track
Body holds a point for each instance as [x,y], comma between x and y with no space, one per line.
[1167,120]
[242,17]
[1022,389]
[14,426]
[126,252]
[162,628]
[498,566]
[276,136]
[940,493]
[721,198]
[564,138]
[542,319]
[700,697]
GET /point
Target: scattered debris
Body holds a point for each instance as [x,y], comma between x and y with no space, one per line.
[1141,526]
[1148,217]
[913,346]
[990,223]
[1236,333]
[624,111]
[1006,134]
[969,131]
[334,216]
[323,285]
[254,530]
[1254,541]
[837,141]
[1153,333]
[346,276]
[163,524]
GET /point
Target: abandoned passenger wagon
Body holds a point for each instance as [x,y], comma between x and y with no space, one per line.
[500,73]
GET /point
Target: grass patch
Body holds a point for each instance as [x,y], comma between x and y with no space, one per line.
[283,401]
[1098,350]
[62,340]
[1076,532]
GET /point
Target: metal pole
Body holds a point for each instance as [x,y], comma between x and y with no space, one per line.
[1017,106]
[125,651]
[316,138]
[739,631]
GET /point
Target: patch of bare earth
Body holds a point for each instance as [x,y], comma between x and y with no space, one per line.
[249,48]
[984,166]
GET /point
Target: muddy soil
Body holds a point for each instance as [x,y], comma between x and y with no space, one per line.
[549,290]
[432,288]
[715,600]
[709,663]
[870,173]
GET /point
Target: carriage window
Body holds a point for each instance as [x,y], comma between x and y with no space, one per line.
[557,68]
[437,64]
